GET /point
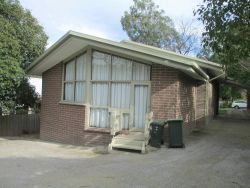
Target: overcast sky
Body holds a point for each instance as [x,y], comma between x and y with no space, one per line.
[97,17]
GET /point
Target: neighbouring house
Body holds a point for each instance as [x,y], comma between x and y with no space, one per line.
[94,88]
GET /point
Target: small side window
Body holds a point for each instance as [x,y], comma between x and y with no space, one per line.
[74,79]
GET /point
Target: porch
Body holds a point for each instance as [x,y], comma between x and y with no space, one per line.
[131,139]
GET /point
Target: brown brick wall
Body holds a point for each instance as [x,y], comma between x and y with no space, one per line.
[172,96]
[64,123]
[200,100]
[212,93]
[164,86]
[186,102]
[176,95]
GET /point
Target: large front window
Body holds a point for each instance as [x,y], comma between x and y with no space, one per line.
[74,80]
[114,83]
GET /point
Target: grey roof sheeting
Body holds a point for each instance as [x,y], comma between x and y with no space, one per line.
[72,42]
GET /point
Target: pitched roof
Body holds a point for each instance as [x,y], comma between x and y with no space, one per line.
[72,42]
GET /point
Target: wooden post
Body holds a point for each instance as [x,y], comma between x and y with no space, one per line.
[217,97]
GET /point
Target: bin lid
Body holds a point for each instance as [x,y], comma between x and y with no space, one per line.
[171,120]
[158,123]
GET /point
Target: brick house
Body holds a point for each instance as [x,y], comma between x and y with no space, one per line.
[94,88]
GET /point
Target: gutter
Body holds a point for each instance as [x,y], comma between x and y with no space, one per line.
[200,71]
[190,70]
[183,57]
[134,47]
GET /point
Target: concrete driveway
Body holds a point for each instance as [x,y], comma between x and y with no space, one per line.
[217,157]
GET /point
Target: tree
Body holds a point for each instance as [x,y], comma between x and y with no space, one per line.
[27,33]
[146,23]
[10,57]
[227,33]
[187,40]
[26,94]
[228,92]
[22,40]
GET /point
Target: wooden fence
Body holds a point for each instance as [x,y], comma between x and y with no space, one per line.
[18,124]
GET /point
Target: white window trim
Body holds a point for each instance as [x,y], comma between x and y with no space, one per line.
[63,101]
[130,109]
[88,85]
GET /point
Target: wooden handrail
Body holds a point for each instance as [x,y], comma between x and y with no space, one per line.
[115,122]
[148,121]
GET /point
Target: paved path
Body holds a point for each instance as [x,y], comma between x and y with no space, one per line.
[218,157]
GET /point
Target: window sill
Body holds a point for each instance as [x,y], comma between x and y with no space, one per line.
[72,103]
[97,130]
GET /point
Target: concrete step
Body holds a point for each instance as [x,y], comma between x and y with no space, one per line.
[133,140]
[131,136]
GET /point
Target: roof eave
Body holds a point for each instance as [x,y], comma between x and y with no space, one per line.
[184,58]
[50,50]
[161,56]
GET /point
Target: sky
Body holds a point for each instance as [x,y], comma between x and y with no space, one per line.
[97,17]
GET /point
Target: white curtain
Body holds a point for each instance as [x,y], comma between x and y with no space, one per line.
[141,72]
[99,118]
[69,91]
[69,86]
[80,92]
[75,73]
[101,64]
[121,69]
[80,68]
[69,73]
[80,76]
[120,92]
[100,94]
[141,103]
[120,95]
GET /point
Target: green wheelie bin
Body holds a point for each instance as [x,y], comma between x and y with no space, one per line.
[175,133]
[156,133]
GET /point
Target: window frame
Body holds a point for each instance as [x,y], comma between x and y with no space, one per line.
[132,83]
[88,51]
[74,81]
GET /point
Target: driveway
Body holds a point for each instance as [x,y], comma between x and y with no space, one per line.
[217,157]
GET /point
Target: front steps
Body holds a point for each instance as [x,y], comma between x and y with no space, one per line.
[132,140]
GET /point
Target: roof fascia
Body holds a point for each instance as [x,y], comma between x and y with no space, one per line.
[201,62]
[156,55]
[49,50]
